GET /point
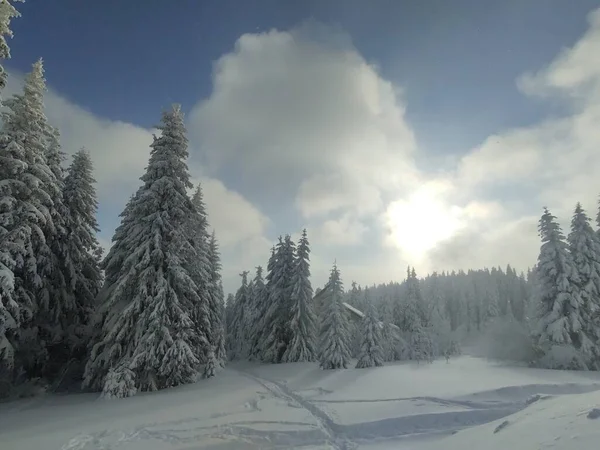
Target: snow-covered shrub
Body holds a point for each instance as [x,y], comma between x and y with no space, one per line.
[119,383]
[562,357]
[210,368]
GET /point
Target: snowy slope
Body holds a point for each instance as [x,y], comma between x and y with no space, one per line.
[298,405]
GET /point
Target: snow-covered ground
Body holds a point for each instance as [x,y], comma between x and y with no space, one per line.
[468,403]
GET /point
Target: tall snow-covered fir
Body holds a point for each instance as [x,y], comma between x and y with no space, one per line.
[371,351]
[198,264]
[302,346]
[149,333]
[237,343]
[259,306]
[28,187]
[334,333]
[279,285]
[559,297]
[216,302]
[584,245]
[9,308]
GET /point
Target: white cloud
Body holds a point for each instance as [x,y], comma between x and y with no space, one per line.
[302,112]
[233,217]
[344,231]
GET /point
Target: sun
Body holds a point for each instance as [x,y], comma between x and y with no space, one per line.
[417,224]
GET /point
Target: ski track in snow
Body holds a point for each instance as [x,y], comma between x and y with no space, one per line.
[190,434]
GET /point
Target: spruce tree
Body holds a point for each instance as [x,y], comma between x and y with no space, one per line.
[198,265]
[26,212]
[79,263]
[149,333]
[268,321]
[558,296]
[9,308]
[216,302]
[7,13]
[584,246]
[303,321]
[334,335]
[276,337]
[237,346]
[371,350]
[121,243]
[259,304]
[56,300]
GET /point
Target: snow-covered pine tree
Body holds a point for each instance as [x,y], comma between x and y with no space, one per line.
[390,334]
[334,335]
[79,264]
[559,298]
[149,330]
[9,308]
[442,335]
[268,316]
[302,325]
[259,308]
[56,301]
[371,351]
[121,240]
[237,346]
[584,245]
[27,186]
[7,13]
[229,310]
[416,321]
[277,318]
[197,263]
[217,306]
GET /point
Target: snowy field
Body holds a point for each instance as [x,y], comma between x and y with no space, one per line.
[468,403]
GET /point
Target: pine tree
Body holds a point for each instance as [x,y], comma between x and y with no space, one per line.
[303,321]
[121,243]
[334,335]
[277,319]
[371,352]
[558,294]
[237,346]
[9,308]
[268,314]
[79,263]
[260,304]
[393,347]
[197,263]
[149,329]
[56,319]
[584,245]
[26,205]
[442,336]
[7,13]
[217,306]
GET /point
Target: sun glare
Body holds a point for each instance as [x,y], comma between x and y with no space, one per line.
[422,221]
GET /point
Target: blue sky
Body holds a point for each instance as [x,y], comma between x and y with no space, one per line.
[456,67]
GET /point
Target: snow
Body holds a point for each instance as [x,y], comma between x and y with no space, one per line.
[353,310]
[468,403]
